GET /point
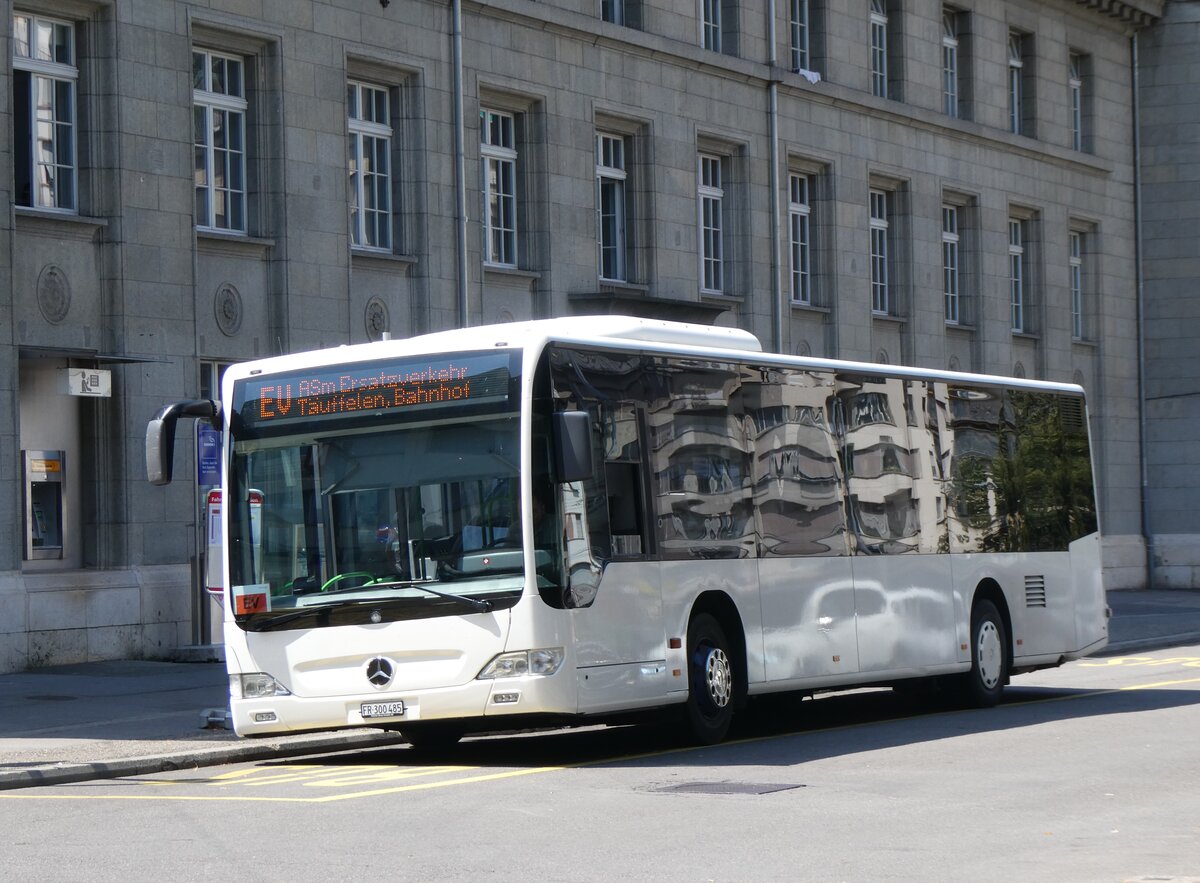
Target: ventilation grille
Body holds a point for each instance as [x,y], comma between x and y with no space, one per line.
[1035,591]
[1074,417]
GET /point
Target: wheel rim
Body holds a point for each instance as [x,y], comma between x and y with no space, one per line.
[990,655]
[718,677]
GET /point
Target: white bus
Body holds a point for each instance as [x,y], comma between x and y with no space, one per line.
[577,519]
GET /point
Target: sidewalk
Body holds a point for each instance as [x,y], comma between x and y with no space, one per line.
[107,719]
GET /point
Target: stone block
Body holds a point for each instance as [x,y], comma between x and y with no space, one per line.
[113,607]
[57,647]
[57,609]
[114,642]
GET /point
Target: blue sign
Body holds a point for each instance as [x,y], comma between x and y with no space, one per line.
[208,455]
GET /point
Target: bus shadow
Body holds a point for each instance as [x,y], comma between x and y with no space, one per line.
[781,731]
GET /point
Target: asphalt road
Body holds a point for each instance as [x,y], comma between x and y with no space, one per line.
[1085,773]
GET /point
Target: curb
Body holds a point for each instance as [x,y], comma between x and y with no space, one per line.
[244,750]
[1162,642]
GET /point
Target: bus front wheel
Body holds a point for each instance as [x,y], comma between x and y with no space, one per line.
[983,684]
[712,682]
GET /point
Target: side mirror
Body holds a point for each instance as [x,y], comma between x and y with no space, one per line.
[572,445]
[160,436]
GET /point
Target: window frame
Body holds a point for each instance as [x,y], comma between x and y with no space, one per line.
[710,203]
[880,236]
[800,246]
[612,173]
[1076,251]
[1018,274]
[1075,87]
[711,25]
[59,74]
[207,102]
[878,24]
[952,263]
[360,129]
[799,35]
[951,91]
[499,156]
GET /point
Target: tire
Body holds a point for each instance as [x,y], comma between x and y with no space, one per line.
[982,685]
[433,736]
[712,682]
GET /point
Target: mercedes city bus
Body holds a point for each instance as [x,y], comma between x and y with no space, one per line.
[574,520]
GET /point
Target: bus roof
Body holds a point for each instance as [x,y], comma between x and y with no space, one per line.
[626,333]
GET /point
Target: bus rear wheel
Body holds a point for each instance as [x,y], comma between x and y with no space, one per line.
[712,681]
[983,684]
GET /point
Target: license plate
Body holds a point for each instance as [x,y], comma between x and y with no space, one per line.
[382,709]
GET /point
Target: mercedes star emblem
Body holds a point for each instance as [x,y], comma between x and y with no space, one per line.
[380,671]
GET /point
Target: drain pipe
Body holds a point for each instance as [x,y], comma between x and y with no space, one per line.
[773,126]
[460,163]
[1147,532]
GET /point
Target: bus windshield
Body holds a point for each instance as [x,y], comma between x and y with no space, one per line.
[410,513]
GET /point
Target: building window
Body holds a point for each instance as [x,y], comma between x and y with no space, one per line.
[1075,266]
[219,122]
[45,81]
[1075,84]
[711,196]
[611,212]
[951,266]
[950,62]
[499,151]
[613,11]
[1017,273]
[710,24]
[879,49]
[880,234]
[799,233]
[798,28]
[1018,77]
[370,166]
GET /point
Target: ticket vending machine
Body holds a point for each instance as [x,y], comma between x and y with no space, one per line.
[44,473]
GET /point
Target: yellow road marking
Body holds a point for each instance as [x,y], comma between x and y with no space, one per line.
[325,777]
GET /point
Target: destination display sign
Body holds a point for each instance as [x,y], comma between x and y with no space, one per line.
[374,388]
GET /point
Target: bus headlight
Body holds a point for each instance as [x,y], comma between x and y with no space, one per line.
[259,685]
[542,662]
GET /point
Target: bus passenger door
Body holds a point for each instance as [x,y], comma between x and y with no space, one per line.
[804,572]
[894,436]
[617,621]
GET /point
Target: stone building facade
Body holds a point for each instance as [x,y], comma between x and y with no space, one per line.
[198,183]
[1169,109]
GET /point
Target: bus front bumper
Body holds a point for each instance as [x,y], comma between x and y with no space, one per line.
[476,700]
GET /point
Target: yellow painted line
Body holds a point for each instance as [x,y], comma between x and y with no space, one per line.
[424,786]
[234,776]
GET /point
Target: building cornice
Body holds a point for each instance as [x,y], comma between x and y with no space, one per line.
[1139,13]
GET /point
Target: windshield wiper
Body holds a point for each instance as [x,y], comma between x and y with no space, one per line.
[267,622]
[477,604]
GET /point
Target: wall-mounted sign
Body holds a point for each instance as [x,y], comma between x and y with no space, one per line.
[91,382]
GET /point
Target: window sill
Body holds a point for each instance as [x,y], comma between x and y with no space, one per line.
[960,328]
[238,244]
[800,307]
[1085,342]
[499,270]
[621,285]
[1026,335]
[58,223]
[888,319]
[369,256]
[721,297]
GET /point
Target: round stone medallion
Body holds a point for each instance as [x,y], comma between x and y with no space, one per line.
[376,318]
[53,294]
[227,307]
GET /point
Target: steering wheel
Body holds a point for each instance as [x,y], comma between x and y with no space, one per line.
[337,578]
